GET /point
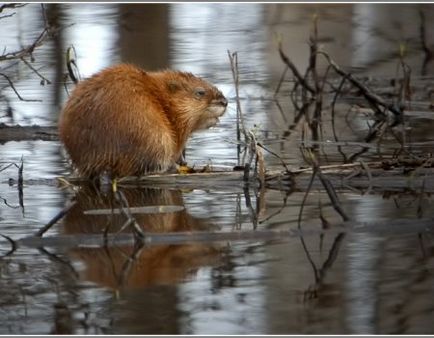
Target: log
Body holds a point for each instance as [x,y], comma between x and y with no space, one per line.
[26,133]
[347,179]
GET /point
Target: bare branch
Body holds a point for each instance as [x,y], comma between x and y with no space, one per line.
[27,51]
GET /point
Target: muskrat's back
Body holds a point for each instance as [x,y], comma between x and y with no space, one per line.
[127,122]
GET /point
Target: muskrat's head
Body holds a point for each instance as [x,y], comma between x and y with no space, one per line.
[198,103]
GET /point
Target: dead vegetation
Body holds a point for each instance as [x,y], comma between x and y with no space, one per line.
[313,93]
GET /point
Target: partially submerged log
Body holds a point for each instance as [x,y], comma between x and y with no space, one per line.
[375,176]
[376,180]
[26,133]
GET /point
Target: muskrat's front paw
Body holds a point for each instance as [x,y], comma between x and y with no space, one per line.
[184,169]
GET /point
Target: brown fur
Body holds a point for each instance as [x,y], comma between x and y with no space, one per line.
[125,121]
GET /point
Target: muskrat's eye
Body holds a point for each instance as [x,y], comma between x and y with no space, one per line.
[199,92]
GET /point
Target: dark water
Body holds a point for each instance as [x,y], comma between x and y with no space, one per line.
[365,282]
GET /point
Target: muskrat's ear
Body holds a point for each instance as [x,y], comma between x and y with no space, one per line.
[173,86]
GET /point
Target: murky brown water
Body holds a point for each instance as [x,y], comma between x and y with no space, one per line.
[364,282]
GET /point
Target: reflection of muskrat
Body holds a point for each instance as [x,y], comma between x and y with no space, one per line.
[122,265]
[124,121]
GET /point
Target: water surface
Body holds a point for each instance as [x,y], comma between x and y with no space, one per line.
[366,282]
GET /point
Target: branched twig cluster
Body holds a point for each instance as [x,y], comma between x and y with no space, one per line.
[307,94]
[307,98]
[25,53]
[309,88]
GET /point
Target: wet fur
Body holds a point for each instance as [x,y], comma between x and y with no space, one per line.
[127,122]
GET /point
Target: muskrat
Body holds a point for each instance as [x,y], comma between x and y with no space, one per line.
[124,121]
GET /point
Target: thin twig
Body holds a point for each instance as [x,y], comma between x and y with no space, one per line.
[423,38]
[303,202]
[11,84]
[274,154]
[55,219]
[43,78]
[252,213]
[328,186]
[13,245]
[294,70]
[123,204]
[333,254]
[332,195]
[8,205]
[20,185]
[309,258]
[279,107]
[333,113]
[233,58]
[8,166]
[316,121]
[368,172]
[282,78]
[53,257]
[126,268]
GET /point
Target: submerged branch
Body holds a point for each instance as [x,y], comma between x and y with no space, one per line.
[178,238]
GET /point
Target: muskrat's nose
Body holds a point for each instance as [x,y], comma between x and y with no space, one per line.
[222,100]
